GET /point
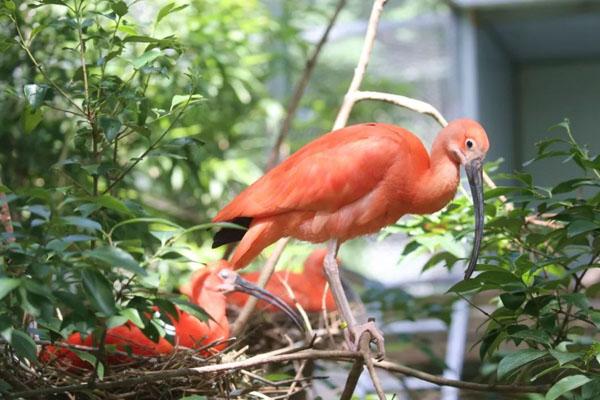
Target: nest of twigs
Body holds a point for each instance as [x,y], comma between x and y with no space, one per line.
[184,372]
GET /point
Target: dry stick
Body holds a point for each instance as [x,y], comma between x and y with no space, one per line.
[352,379]
[265,275]
[300,87]
[340,355]
[361,67]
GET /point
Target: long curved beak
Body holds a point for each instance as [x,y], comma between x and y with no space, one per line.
[474,170]
[243,285]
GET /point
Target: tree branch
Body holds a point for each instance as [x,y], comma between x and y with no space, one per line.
[264,359]
[301,86]
[361,67]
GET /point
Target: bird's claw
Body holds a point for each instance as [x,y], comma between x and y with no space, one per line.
[355,332]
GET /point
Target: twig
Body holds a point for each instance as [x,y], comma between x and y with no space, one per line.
[364,341]
[301,86]
[352,379]
[402,101]
[150,148]
[340,355]
[40,68]
[361,68]
[265,275]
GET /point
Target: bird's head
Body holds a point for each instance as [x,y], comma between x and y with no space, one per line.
[220,277]
[467,144]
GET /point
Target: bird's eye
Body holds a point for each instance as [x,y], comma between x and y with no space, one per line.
[224,274]
[469,143]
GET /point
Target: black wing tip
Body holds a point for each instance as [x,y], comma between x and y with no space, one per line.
[231,235]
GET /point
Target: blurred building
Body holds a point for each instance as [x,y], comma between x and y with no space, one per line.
[524,66]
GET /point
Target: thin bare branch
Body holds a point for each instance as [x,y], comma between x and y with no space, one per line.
[301,86]
[361,68]
[352,379]
[402,101]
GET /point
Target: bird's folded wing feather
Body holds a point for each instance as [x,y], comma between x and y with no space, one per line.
[321,178]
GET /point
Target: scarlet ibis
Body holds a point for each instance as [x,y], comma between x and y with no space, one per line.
[352,182]
[208,292]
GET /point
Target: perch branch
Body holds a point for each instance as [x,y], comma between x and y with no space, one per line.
[265,275]
[261,359]
[301,86]
[352,379]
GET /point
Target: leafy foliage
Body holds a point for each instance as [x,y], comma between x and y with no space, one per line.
[85,254]
[539,245]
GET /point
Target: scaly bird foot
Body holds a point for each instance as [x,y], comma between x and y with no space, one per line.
[353,334]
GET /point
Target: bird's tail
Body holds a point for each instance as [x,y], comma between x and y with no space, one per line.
[261,234]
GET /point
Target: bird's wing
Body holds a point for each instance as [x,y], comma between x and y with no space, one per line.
[329,173]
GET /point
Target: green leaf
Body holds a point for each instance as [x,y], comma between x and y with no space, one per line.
[10,5]
[518,359]
[116,258]
[192,309]
[535,335]
[465,286]
[168,9]
[85,356]
[7,285]
[194,397]
[565,385]
[110,127]
[512,301]
[99,291]
[146,58]
[23,345]
[35,94]
[120,8]
[134,316]
[112,203]
[31,118]
[563,357]
[179,100]
[84,223]
[140,39]
[580,226]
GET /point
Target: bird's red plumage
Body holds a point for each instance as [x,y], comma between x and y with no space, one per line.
[349,182]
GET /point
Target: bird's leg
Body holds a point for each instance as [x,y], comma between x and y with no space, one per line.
[352,330]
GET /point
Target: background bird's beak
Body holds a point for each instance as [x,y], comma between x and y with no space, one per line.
[243,285]
[474,170]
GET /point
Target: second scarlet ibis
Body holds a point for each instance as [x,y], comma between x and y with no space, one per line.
[209,289]
[307,287]
[351,182]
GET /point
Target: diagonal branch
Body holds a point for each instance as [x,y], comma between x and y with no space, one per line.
[300,87]
[361,68]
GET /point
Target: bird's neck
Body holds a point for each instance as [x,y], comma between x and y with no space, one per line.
[214,303]
[439,182]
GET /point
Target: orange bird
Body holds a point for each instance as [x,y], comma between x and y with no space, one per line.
[352,182]
[209,290]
